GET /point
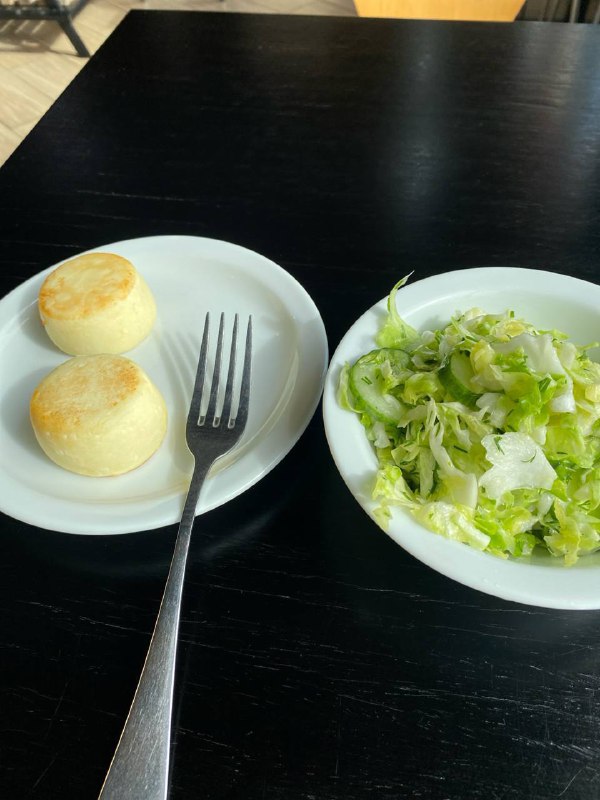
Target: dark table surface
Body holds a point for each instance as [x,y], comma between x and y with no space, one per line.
[318,659]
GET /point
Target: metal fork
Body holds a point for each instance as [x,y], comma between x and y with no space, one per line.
[140,766]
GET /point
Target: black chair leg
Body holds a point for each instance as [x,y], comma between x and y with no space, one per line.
[75,39]
[64,19]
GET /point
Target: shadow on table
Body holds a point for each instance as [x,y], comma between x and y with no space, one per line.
[147,554]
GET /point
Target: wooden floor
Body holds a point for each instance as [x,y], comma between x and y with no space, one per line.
[37,61]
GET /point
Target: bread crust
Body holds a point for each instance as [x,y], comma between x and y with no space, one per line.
[98,415]
[96,303]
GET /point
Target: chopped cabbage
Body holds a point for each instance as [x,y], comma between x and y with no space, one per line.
[495,436]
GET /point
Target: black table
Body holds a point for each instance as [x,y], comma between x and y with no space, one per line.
[318,660]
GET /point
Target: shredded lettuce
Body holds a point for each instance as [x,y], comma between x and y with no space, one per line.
[488,434]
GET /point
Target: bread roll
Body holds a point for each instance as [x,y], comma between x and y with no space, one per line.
[98,415]
[96,303]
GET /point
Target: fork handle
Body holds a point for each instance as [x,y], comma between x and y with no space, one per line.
[140,766]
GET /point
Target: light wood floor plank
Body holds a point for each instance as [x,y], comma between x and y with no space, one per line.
[48,73]
[19,100]
[9,141]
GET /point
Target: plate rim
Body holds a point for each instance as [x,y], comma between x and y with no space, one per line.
[296,304]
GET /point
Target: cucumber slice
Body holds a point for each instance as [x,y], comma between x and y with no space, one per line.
[456,376]
[366,383]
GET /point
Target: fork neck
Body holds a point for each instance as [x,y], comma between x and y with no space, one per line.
[191,501]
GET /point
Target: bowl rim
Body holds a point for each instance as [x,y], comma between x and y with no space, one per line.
[548,585]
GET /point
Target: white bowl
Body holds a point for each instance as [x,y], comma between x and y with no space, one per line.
[547,300]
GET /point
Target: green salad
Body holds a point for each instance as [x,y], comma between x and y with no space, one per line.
[487,431]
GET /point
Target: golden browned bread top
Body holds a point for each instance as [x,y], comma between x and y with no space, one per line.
[81,390]
[86,285]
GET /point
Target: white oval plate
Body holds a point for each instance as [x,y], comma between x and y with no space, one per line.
[188,276]
[543,298]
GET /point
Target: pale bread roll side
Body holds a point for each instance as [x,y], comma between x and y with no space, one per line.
[98,415]
[96,303]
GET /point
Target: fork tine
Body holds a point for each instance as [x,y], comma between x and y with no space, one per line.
[226,413]
[211,413]
[242,413]
[194,412]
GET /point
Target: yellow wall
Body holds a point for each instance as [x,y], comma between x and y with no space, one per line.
[480,10]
